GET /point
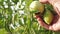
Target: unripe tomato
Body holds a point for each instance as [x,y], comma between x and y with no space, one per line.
[48,16]
[36,6]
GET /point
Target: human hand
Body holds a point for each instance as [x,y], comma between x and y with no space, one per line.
[54,3]
[55,26]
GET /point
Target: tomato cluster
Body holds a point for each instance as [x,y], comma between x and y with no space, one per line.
[46,10]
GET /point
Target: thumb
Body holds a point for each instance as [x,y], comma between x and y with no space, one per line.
[40,21]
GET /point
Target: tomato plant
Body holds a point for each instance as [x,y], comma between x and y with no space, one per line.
[16,18]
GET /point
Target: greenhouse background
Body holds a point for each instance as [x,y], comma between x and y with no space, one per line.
[15,18]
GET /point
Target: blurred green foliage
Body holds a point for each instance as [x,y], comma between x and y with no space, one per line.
[15,18]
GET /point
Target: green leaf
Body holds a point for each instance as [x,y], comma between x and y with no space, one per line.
[15,1]
[1,0]
[3,31]
[50,7]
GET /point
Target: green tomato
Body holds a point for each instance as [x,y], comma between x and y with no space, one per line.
[48,17]
[36,6]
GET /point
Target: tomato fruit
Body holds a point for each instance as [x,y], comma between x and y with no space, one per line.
[36,6]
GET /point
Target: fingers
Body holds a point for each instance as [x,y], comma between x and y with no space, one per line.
[57,11]
[57,7]
[43,1]
[40,21]
[55,19]
[54,27]
[48,27]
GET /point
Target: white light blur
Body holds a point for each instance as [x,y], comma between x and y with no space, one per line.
[22,6]
[12,7]
[17,24]
[21,11]
[11,25]
[22,20]
[5,4]
[24,3]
